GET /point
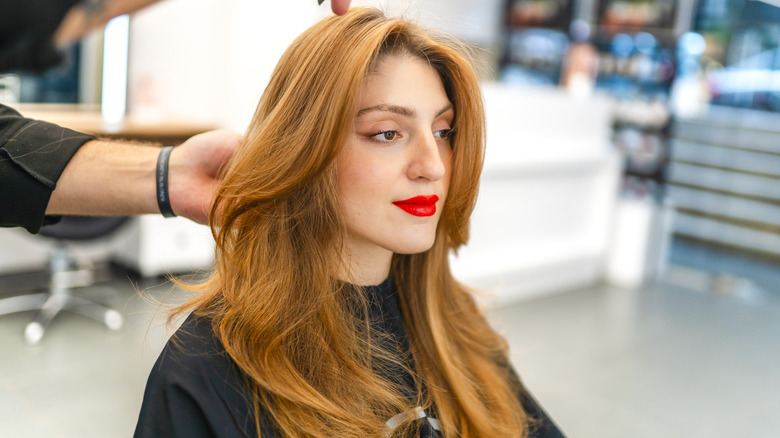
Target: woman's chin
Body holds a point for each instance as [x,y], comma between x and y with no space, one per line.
[416,247]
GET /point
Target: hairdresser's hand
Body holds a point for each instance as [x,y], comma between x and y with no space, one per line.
[195,171]
[340,7]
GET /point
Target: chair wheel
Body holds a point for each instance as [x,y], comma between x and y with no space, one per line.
[113,319]
[33,333]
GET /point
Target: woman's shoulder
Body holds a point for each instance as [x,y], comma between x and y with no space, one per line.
[196,336]
[194,382]
[193,348]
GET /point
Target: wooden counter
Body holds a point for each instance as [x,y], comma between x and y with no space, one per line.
[87,118]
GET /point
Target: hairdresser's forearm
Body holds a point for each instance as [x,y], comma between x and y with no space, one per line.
[116,178]
[90,14]
[107,178]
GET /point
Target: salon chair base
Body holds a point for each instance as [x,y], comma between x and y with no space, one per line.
[65,277]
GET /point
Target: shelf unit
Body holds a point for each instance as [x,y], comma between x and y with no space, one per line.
[724,179]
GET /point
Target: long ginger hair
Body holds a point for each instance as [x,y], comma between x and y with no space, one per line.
[308,353]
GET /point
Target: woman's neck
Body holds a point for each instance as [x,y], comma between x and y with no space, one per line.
[366,265]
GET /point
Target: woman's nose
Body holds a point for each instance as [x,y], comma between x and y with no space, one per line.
[428,158]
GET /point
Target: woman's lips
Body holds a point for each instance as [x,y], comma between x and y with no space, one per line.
[419,205]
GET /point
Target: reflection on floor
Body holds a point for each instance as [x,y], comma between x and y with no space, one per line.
[671,360]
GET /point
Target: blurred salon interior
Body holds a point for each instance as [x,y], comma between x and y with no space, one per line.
[627,232]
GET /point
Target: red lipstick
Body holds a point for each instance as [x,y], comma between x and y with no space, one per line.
[419,205]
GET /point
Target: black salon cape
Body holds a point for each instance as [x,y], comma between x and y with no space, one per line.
[196,391]
[33,155]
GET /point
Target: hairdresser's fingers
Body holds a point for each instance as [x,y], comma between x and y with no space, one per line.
[195,171]
[340,7]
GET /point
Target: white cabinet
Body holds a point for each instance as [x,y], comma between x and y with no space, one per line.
[547,194]
[153,245]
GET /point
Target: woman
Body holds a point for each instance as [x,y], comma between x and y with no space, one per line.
[332,311]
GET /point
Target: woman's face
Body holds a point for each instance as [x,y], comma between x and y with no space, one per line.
[394,170]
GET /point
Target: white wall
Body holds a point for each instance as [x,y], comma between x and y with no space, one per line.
[472,20]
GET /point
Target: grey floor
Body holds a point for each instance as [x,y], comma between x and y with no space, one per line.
[694,356]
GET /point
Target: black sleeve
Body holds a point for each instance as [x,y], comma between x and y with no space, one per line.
[196,391]
[33,155]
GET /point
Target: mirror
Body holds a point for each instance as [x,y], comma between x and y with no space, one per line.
[77,80]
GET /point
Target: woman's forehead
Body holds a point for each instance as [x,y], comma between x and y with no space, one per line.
[403,80]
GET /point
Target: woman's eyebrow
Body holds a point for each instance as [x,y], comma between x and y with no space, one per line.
[386,107]
[444,110]
[398,109]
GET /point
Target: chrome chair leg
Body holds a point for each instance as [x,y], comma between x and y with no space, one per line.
[22,303]
[100,313]
[34,330]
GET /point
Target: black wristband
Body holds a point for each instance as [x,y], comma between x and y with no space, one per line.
[163,199]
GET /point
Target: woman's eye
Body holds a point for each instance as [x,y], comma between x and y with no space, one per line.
[444,133]
[385,136]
